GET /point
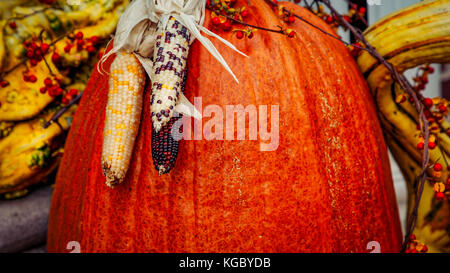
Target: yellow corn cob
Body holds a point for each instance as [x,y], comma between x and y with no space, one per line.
[123,113]
[169,63]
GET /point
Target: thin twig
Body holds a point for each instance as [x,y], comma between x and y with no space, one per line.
[281,31]
[62,111]
[323,31]
[22,16]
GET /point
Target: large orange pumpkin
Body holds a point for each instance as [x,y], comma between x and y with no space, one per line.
[327,188]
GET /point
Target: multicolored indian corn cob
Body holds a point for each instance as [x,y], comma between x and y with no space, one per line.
[165,142]
[169,75]
[123,113]
[169,63]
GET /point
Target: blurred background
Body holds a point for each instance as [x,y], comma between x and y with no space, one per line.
[24,214]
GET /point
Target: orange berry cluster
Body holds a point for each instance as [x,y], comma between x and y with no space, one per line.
[435,109]
[355,49]
[225,15]
[223,11]
[414,246]
[441,189]
[35,50]
[80,43]
[287,16]
[52,86]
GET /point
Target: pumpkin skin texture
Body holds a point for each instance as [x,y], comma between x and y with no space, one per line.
[327,188]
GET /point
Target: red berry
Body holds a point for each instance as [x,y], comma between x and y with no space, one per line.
[250,35]
[32,78]
[65,100]
[67,48]
[442,108]
[73,92]
[291,19]
[90,49]
[4,84]
[52,91]
[94,40]
[26,78]
[216,21]
[439,195]
[44,47]
[239,34]
[48,82]
[437,167]
[431,145]
[428,102]
[30,54]
[244,13]
[291,34]
[430,69]
[37,52]
[420,146]
[362,10]
[329,19]
[58,91]
[33,62]
[55,57]
[43,90]
[412,237]
[12,25]
[414,251]
[79,35]
[424,249]
[227,25]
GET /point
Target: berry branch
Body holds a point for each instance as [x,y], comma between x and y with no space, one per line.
[321,30]
[280,31]
[64,109]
